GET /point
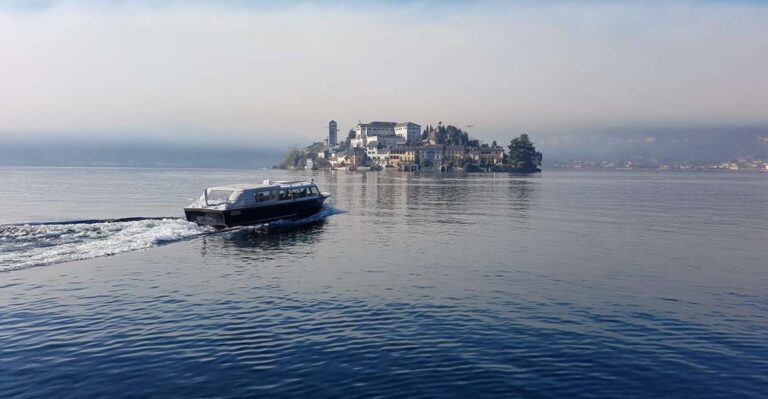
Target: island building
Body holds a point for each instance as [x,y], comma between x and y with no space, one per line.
[379,154]
[403,155]
[352,157]
[389,145]
[487,155]
[332,134]
[388,134]
[431,153]
[408,130]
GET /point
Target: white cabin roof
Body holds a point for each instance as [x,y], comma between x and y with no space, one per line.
[242,187]
[265,184]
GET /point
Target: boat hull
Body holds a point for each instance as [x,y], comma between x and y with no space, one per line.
[255,215]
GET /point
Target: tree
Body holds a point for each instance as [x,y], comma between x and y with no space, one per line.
[523,155]
[293,159]
[442,134]
[350,136]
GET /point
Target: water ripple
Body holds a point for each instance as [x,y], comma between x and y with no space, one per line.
[572,286]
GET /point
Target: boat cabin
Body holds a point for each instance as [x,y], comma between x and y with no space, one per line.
[251,195]
[249,204]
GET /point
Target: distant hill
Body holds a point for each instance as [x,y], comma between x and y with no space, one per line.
[679,145]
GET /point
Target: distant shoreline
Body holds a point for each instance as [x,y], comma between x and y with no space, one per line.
[272,168]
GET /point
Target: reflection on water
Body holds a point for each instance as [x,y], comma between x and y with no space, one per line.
[268,240]
[521,190]
[521,196]
[263,242]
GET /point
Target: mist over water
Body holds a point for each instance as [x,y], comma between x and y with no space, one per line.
[702,144]
[649,143]
[56,151]
[561,284]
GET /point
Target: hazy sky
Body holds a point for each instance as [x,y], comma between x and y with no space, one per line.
[277,72]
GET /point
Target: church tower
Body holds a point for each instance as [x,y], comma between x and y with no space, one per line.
[332,134]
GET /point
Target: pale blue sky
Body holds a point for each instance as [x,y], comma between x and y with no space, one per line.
[277,72]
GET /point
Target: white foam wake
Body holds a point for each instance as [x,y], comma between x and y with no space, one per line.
[23,246]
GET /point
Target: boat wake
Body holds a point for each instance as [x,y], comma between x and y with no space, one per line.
[28,245]
[39,244]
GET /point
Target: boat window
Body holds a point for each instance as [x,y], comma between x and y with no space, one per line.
[300,192]
[217,197]
[285,195]
[263,196]
[314,190]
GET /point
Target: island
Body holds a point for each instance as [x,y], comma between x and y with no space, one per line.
[406,147]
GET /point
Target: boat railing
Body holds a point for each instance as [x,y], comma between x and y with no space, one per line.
[292,184]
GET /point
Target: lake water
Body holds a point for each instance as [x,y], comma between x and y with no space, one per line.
[563,284]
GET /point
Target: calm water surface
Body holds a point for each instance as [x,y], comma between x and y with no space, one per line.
[566,284]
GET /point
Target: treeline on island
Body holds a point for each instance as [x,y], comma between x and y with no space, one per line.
[441,147]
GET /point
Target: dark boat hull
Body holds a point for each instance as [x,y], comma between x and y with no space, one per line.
[256,215]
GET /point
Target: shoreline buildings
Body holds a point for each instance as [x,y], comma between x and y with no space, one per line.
[401,145]
[385,134]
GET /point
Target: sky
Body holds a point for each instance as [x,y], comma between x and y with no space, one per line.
[269,74]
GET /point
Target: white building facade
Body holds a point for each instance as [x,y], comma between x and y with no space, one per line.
[408,131]
[384,133]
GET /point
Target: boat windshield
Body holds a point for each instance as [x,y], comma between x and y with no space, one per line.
[217,197]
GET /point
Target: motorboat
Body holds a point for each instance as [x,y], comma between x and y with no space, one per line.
[249,204]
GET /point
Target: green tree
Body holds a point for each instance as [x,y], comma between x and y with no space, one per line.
[293,159]
[350,136]
[523,155]
[442,134]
